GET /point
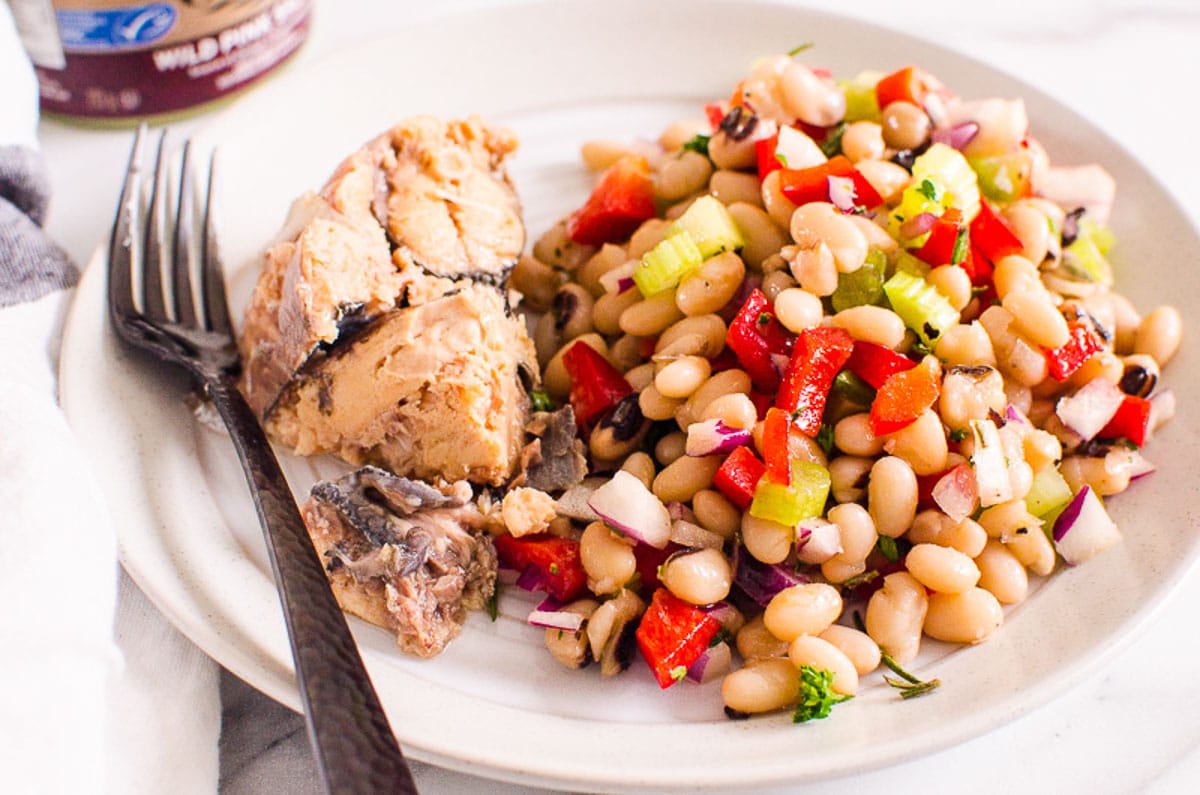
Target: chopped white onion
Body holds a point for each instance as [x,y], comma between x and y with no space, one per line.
[817,540]
[556,618]
[1084,529]
[714,436]
[626,505]
[1090,409]
[917,225]
[794,149]
[842,193]
[1089,187]
[991,470]
[1139,466]
[956,493]
[620,278]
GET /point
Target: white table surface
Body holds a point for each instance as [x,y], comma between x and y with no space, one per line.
[1131,67]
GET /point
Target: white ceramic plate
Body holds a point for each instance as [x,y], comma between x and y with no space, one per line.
[495,704]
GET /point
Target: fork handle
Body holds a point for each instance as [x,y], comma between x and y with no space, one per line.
[354,746]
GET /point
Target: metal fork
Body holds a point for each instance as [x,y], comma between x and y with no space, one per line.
[161,302]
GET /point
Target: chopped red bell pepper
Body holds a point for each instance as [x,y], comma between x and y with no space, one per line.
[738,476]
[596,386]
[906,85]
[672,635]
[1132,421]
[754,335]
[874,363]
[763,401]
[979,269]
[714,113]
[776,428]
[621,200]
[992,234]
[1069,357]
[818,356]
[551,561]
[939,247]
[904,395]
[804,185]
[764,155]
[647,559]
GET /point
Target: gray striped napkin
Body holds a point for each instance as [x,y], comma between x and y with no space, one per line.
[31,264]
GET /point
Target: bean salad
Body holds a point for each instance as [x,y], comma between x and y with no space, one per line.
[850,371]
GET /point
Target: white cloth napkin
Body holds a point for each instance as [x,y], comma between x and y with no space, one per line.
[91,704]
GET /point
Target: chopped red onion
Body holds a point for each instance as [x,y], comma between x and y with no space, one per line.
[1090,409]
[1139,466]
[550,614]
[956,493]
[714,436]
[780,361]
[817,540]
[533,579]
[723,612]
[1084,529]
[917,225]
[842,193]
[761,581]
[1014,414]
[619,279]
[626,505]
[957,136]
[713,663]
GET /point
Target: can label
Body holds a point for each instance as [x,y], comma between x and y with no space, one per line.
[124,60]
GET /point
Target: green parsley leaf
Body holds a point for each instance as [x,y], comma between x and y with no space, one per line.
[861,579]
[541,400]
[697,143]
[792,53]
[888,548]
[833,140]
[908,685]
[961,242]
[928,190]
[825,438]
[958,434]
[816,695]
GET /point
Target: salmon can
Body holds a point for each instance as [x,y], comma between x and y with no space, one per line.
[131,60]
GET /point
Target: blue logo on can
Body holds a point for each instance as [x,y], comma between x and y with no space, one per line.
[115,29]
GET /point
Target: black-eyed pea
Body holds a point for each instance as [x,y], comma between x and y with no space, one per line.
[871,324]
[853,435]
[730,187]
[970,393]
[685,476]
[537,281]
[807,609]
[968,617]
[765,540]
[716,513]
[607,558]
[941,569]
[711,286]
[952,282]
[755,641]
[848,478]
[892,496]
[862,140]
[641,466]
[609,309]
[735,410]
[777,206]
[651,315]
[895,615]
[821,223]
[921,444]
[1036,317]
[699,577]
[761,233]
[822,655]
[863,652]
[1001,574]
[728,152]
[555,378]
[765,685]
[1159,334]
[887,178]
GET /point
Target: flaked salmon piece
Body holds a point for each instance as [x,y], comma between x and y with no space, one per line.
[341,354]
[402,554]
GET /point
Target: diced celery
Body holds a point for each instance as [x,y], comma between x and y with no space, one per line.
[803,498]
[861,103]
[907,263]
[710,226]
[1085,255]
[862,286]
[664,265]
[1003,178]
[919,304]
[1048,495]
[926,195]
[947,166]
